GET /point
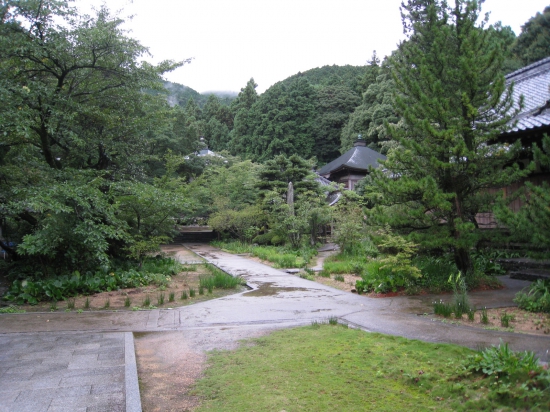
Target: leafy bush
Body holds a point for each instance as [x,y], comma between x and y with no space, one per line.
[264,239]
[377,277]
[485,262]
[502,362]
[537,298]
[61,287]
[435,273]
[244,224]
[518,378]
[395,270]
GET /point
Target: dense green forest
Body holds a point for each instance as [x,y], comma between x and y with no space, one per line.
[98,152]
[180,95]
[320,112]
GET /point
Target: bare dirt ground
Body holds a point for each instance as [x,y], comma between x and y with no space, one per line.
[169,363]
[348,284]
[168,367]
[521,322]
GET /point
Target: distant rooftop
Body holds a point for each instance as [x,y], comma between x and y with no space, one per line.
[533,82]
[359,158]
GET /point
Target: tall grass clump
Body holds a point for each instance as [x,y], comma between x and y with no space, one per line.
[280,257]
[218,279]
[233,246]
[166,266]
[351,266]
[435,273]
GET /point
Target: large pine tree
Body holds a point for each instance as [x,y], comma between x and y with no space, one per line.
[452,96]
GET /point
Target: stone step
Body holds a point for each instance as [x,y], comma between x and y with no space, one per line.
[529,274]
[513,264]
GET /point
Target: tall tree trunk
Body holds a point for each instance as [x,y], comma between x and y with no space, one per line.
[464,261]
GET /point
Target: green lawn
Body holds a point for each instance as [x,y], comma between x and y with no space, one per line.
[331,368]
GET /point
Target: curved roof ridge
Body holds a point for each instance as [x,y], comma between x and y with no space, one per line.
[511,76]
[358,157]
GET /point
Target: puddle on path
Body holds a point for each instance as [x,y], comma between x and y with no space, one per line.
[267,289]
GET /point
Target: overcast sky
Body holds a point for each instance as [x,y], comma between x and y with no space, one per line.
[231,41]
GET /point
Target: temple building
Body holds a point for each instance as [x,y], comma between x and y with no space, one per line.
[353,165]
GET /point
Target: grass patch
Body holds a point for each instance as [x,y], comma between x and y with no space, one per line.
[281,257]
[218,279]
[11,309]
[326,368]
[344,264]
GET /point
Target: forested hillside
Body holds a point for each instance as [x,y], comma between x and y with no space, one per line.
[179,95]
[303,114]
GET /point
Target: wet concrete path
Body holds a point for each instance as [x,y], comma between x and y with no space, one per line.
[275,300]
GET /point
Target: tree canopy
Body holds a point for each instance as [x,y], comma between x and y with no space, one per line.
[533,43]
[79,136]
[451,94]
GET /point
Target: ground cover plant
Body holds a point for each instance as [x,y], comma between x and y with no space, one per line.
[154,270]
[327,367]
[536,298]
[176,290]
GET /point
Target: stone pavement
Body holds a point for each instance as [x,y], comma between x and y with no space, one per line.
[79,357]
[73,372]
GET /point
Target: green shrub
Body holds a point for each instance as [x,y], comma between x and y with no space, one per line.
[435,273]
[277,240]
[264,239]
[537,297]
[379,278]
[485,262]
[502,362]
[243,224]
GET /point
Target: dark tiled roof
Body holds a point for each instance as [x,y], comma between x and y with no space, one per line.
[533,82]
[357,158]
[332,193]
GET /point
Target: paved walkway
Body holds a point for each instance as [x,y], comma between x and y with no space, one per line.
[85,361]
